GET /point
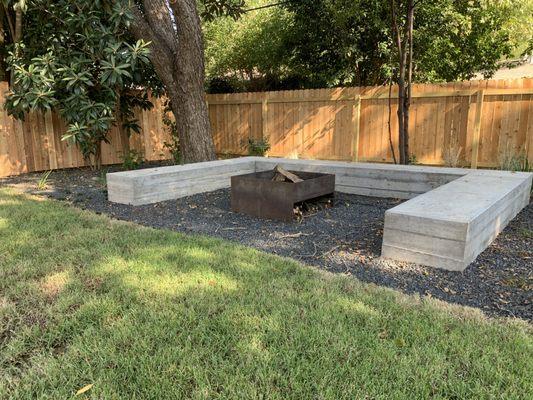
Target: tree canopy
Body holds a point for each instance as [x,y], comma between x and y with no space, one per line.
[94,60]
[79,58]
[321,43]
[239,50]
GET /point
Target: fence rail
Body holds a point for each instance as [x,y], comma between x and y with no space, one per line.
[476,123]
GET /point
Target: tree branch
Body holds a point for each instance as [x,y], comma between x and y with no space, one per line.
[157,15]
[9,21]
[395,27]
[410,24]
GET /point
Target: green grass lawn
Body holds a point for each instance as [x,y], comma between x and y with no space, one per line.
[141,313]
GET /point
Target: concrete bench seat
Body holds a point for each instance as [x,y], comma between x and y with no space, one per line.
[450,226]
[152,185]
[451,215]
[375,180]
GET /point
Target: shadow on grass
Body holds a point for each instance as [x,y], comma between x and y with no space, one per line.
[142,313]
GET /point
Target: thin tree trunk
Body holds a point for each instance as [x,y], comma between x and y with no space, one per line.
[11,26]
[95,160]
[401,122]
[389,123]
[405,72]
[401,116]
[9,19]
[407,106]
[18,25]
[2,44]
[98,157]
[401,82]
[123,134]
[17,36]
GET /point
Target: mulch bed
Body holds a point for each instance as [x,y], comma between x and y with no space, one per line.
[344,239]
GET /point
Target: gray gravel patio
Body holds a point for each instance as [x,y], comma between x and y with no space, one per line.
[345,238]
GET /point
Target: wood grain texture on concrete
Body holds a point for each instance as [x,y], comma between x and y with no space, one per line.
[451,215]
[375,180]
[449,226]
[152,185]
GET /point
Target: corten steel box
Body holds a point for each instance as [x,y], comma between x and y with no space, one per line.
[258,195]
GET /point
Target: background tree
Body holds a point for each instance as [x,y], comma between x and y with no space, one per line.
[339,42]
[456,39]
[297,44]
[465,37]
[327,43]
[78,58]
[402,21]
[248,53]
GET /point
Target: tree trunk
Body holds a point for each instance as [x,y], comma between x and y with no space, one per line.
[393,153]
[402,59]
[409,66]
[177,55]
[17,35]
[2,44]
[95,159]
[98,157]
[18,25]
[194,129]
[404,45]
[401,122]
[123,134]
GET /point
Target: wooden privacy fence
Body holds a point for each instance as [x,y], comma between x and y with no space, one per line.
[480,123]
[35,144]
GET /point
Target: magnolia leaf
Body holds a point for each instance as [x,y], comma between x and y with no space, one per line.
[84,389]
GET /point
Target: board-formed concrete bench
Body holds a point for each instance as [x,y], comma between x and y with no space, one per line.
[152,185]
[450,226]
[451,215]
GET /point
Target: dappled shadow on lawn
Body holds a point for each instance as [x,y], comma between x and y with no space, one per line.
[154,314]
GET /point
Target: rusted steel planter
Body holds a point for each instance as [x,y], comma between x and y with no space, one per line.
[257,195]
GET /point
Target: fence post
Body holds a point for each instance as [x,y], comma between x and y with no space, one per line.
[356,119]
[476,128]
[50,136]
[264,111]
